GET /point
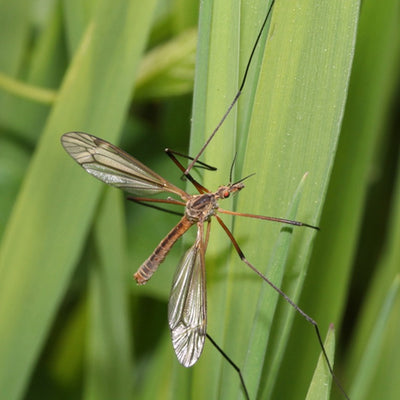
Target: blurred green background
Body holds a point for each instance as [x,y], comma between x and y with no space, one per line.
[321,97]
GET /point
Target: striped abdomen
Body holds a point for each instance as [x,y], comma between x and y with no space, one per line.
[147,269]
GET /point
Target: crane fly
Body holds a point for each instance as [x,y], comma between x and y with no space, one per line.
[187,316]
[187,303]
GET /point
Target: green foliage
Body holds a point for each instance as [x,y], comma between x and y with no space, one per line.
[313,123]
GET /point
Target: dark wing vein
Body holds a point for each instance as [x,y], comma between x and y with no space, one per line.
[114,166]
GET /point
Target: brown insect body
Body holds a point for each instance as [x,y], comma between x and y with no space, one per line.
[199,209]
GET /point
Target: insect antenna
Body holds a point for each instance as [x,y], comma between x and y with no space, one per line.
[231,170]
[243,179]
[231,173]
[235,99]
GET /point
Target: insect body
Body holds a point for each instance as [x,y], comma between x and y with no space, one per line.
[199,209]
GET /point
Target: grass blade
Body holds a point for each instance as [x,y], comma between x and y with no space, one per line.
[55,205]
[369,364]
[284,142]
[320,387]
[108,368]
[333,258]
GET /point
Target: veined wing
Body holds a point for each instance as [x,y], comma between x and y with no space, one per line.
[187,305]
[114,166]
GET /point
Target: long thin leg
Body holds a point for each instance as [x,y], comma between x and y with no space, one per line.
[207,235]
[227,358]
[201,189]
[286,297]
[150,200]
[263,217]
[186,172]
[199,164]
[142,203]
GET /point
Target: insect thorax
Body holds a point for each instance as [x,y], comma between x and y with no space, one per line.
[201,207]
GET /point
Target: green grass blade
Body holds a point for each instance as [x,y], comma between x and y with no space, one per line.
[284,142]
[168,69]
[108,368]
[164,370]
[383,281]
[41,67]
[288,138]
[363,383]
[369,93]
[216,84]
[14,31]
[53,211]
[320,386]
[267,304]
[13,163]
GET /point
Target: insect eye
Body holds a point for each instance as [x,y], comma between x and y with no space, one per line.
[226,194]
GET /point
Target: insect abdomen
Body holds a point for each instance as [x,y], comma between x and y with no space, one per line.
[147,269]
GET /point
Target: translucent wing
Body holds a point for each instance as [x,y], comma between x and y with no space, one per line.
[114,166]
[187,305]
